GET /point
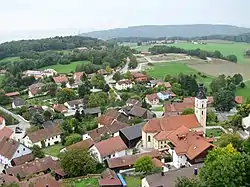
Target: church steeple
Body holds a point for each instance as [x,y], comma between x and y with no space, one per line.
[201,93]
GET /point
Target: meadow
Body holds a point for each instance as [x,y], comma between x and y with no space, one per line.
[65,68]
[245,92]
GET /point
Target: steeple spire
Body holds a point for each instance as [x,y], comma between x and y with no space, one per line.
[201,93]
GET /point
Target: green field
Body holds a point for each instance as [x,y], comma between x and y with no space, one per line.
[245,92]
[66,68]
[225,48]
[160,70]
[53,150]
[11,59]
[133,181]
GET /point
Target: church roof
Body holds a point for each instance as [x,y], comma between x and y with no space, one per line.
[201,93]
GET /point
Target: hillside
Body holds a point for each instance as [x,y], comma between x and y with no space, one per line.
[169,31]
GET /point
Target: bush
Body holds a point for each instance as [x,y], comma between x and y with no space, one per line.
[8,118]
[242,85]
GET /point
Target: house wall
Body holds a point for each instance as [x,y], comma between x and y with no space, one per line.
[86,136]
[201,110]
[21,150]
[144,182]
[146,137]
[123,86]
[95,154]
[48,142]
[4,160]
[30,94]
[179,160]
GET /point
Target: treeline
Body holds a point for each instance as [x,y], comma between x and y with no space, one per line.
[193,52]
[234,38]
[15,48]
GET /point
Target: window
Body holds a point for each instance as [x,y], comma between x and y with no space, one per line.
[202,112]
[56,136]
[165,141]
[23,149]
[52,138]
[149,139]
[17,151]
[202,105]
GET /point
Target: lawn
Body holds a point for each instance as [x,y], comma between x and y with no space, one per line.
[245,92]
[160,70]
[214,133]
[89,182]
[133,181]
[2,79]
[66,68]
[53,150]
[158,109]
[11,59]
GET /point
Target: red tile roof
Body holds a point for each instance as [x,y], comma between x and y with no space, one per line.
[8,179]
[105,120]
[239,99]
[138,75]
[8,147]
[177,107]
[124,82]
[152,97]
[43,134]
[23,159]
[11,94]
[77,76]
[61,79]
[60,108]
[166,84]
[84,144]
[110,146]
[129,160]
[157,163]
[171,123]
[41,181]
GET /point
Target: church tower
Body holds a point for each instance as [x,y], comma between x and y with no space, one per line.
[201,107]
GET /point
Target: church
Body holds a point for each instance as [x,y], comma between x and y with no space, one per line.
[182,136]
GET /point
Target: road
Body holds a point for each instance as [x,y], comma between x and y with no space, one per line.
[23,124]
[109,78]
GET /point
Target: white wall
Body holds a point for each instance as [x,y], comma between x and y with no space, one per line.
[48,142]
[95,153]
[201,111]
[119,154]
[144,182]
[179,160]
[123,86]
[21,150]
[116,134]
[30,94]
[145,138]
[86,136]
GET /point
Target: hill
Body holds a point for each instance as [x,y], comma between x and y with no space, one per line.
[156,31]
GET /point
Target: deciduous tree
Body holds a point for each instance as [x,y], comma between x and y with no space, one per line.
[144,164]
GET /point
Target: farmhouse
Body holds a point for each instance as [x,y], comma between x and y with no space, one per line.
[103,149]
[74,104]
[11,149]
[22,159]
[124,84]
[18,103]
[41,180]
[152,99]
[139,112]
[60,108]
[139,77]
[95,112]
[60,79]
[44,137]
[35,89]
[39,74]
[133,102]
[176,109]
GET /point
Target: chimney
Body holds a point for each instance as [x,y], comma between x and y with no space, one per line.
[195,171]
[46,185]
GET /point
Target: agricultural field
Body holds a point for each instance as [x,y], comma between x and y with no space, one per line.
[65,68]
[245,92]
[11,59]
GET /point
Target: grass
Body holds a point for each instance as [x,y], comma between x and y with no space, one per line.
[53,150]
[66,68]
[160,70]
[11,59]
[133,181]
[158,109]
[214,133]
[2,78]
[244,91]
[225,48]
[89,182]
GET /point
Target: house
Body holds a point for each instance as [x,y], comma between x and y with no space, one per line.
[7,179]
[78,75]
[74,104]
[5,131]
[18,103]
[105,131]
[39,74]
[110,115]
[44,137]
[152,99]
[96,112]
[22,159]
[246,126]
[168,179]
[35,89]
[60,108]
[36,109]
[46,180]
[10,149]
[140,112]
[165,95]
[133,102]
[110,179]
[131,136]
[238,100]
[110,148]
[124,84]
[60,79]
[12,94]
[128,161]
[176,109]
[164,84]
[30,169]
[84,144]
[139,77]
[102,72]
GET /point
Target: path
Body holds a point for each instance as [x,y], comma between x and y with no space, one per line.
[23,124]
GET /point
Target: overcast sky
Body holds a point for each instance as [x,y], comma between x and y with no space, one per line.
[42,18]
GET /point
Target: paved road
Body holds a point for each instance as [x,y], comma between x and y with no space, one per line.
[23,124]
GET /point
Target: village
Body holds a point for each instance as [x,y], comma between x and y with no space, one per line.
[159,126]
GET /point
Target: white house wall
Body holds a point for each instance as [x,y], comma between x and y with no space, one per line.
[95,153]
[145,142]
[144,182]
[21,150]
[179,160]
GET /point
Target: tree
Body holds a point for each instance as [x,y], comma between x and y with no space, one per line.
[51,88]
[65,94]
[77,162]
[117,76]
[47,115]
[224,100]
[132,64]
[72,139]
[106,88]
[188,111]
[232,58]
[84,88]
[233,139]
[108,69]
[237,79]
[37,152]
[218,83]
[187,182]
[211,117]
[242,85]
[235,167]
[188,84]
[176,88]
[37,119]
[236,121]
[4,100]
[97,99]
[127,75]
[144,164]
